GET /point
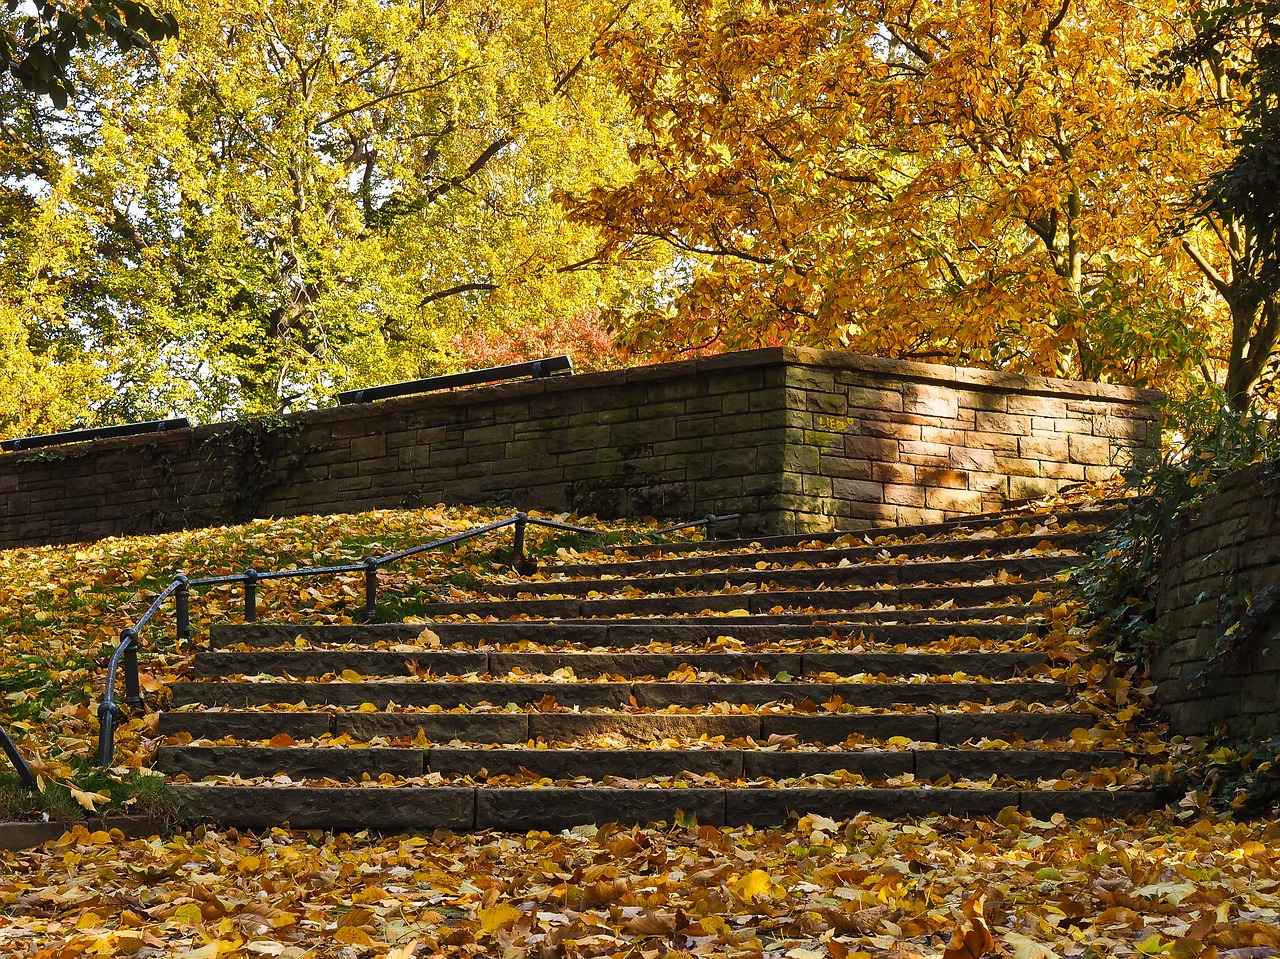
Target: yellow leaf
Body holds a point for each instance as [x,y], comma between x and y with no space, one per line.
[1025,948]
[208,951]
[713,925]
[356,917]
[497,917]
[353,936]
[89,800]
[754,885]
[404,951]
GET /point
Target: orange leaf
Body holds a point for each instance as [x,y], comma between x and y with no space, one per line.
[972,937]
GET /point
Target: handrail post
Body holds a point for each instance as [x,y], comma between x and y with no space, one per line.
[711,520]
[250,595]
[517,547]
[132,685]
[24,771]
[108,713]
[370,589]
[182,596]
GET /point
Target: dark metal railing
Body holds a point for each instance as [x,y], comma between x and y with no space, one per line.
[24,771]
[126,652]
[99,433]
[548,366]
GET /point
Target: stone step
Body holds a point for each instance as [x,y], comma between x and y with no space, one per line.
[377,662]
[955,549]
[1100,517]
[867,575]
[424,809]
[587,695]
[567,727]
[755,602]
[911,627]
[351,764]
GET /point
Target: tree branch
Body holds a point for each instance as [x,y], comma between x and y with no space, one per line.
[1207,268]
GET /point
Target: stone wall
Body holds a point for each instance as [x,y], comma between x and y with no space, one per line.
[1223,558]
[796,440]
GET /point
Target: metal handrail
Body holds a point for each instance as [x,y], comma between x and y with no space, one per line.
[126,652]
[98,433]
[24,771]
[538,369]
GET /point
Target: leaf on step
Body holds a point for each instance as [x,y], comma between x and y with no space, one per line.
[652,924]
[429,637]
[500,916]
[354,936]
[972,937]
[547,704]
[754,885]
[281,739]
[1025,948]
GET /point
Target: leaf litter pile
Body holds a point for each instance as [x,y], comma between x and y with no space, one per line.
[818,889]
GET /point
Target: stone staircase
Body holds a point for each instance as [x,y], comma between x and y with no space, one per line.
[902,672]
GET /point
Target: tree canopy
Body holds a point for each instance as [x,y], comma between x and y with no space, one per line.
[945,181]
[289,200]
[294,198]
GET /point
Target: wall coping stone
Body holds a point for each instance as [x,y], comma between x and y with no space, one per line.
[905,370]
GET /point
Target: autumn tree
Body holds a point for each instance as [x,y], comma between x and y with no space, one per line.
[954,180]
[37,43]
[1231,223]
[291,199]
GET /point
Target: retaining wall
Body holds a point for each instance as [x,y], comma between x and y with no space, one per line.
[1224,558]
[796,440]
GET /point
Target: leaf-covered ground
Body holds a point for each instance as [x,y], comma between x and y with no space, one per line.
[819,889]
[1181,885]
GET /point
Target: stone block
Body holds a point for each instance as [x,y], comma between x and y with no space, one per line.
[1089,450]
[858,490]
[1042,448]
[963,458]
[871,448]
[1002,423]
[848,469]
[1012,466]
[939,450]
[948,478]
[943,435]
[898,473]
[926,399]
[990,402]
[997,442]
[1032,405]
[888,429]
[1063,471]
[953,500]
[1031,487]
[903,495]
[989,483]
[885,400]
